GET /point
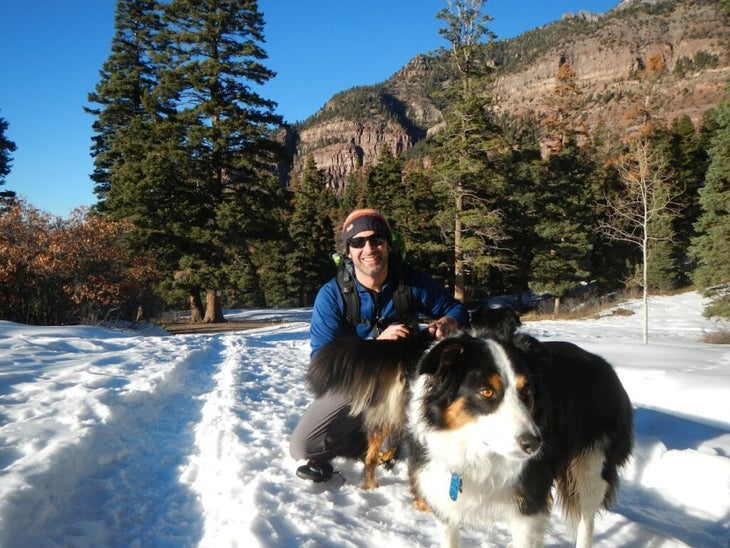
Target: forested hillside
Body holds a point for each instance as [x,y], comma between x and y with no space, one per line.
[685,41]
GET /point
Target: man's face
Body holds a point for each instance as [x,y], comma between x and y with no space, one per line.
[372,257]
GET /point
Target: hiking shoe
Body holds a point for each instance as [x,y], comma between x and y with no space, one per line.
[316,471]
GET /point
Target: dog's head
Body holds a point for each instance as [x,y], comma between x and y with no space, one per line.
[479,392]
[501,321]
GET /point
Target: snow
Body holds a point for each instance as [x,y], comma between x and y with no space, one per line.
[121,438]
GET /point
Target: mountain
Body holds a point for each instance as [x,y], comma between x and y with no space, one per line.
[689,39]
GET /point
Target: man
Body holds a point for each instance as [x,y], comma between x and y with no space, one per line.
[326,429]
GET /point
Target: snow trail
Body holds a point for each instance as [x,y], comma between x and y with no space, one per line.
[131,425]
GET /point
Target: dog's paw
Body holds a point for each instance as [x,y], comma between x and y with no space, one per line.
[420,505]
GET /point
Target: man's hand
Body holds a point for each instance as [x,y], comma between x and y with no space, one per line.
[443,327]
[394,331]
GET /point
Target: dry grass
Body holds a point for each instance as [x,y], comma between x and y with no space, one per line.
[721,336]
[586,310]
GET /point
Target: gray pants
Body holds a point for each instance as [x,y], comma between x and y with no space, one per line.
[326,430]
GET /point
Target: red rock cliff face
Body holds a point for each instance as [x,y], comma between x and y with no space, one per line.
[607,53]
[607,63]
[340,146]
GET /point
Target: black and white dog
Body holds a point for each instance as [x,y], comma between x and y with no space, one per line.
[493,421]
[495,424]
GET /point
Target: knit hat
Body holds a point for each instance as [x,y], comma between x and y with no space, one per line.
[364,219]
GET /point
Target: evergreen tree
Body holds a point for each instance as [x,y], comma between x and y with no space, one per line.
[688,162]
[612,260]
[564,202]
[6,147]
[662,263]
[710,247]
[384,183]
[182,146]
[311,231]
[564,226]
[213,62]
[523,172]
[413,212]
[139,165]
[353,195]
[125,101]
[561,121]
[466,148]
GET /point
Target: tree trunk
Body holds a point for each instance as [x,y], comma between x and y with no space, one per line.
[459,277]
[196,307]
[213,309]
[645,283]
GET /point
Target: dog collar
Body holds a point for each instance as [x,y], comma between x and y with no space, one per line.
[455,486]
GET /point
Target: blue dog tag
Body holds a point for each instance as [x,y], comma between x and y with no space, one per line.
[455,486]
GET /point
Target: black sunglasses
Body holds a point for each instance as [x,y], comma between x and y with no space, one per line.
[358,242]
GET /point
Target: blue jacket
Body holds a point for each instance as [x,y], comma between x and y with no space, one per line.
[329,320]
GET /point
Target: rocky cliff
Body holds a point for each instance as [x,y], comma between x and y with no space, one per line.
[688,39]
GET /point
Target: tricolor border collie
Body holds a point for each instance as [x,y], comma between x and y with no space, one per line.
[492,423]
[495,424]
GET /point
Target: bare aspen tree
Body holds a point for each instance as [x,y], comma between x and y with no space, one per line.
[648,198]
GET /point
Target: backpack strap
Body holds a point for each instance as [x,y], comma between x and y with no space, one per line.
[346,282]
[402,299]
[402,293]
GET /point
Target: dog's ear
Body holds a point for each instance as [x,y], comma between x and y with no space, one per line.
[444,354]
[534,349]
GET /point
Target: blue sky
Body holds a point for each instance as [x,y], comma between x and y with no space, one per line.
[51,52]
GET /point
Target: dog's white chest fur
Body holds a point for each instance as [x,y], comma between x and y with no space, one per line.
[477,501]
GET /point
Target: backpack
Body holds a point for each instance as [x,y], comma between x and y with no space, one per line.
[401,293]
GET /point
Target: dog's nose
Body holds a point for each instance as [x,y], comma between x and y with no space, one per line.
[529,443]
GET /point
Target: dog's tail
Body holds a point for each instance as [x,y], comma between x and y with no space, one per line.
[363,370]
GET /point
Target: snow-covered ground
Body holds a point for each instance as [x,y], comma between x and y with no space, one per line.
[110,438]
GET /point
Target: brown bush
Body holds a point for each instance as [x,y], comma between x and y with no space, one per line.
[56,272]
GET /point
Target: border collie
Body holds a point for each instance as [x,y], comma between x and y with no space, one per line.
[494,424]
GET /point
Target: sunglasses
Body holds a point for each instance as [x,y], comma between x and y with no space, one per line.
[358,242]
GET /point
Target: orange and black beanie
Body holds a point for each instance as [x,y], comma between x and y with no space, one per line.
[364,219]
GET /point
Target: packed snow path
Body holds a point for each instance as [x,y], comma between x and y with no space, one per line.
[109,439]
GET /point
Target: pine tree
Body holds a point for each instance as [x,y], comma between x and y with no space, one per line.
[6,147]
[384,183]
[561,122]
[182,146]
[564,204]
[213,63]
[466,147]
[688,161]
[564,201]
[710,247]
[125,101]
[413,213]
[311,231]
[139,165]
[523,172]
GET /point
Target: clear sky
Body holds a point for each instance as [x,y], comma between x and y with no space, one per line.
[51,52]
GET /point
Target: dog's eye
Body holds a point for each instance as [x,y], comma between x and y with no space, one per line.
[487,393]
